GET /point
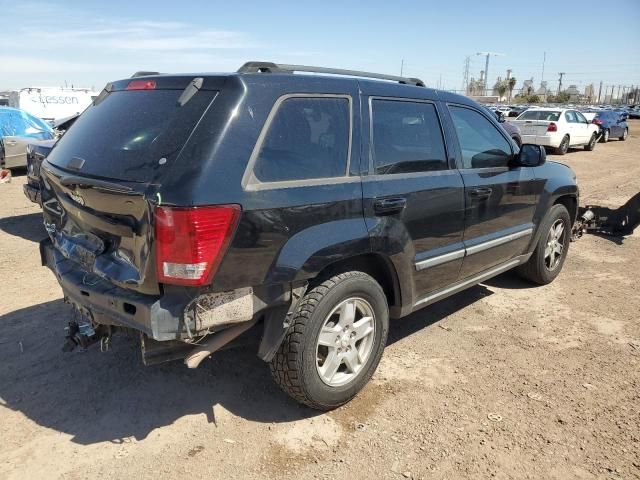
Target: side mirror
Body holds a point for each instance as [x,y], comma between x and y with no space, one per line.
[531,155]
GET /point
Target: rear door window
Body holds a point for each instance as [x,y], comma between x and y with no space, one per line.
[570,117]
[407,137]
[307,138]
[126,134]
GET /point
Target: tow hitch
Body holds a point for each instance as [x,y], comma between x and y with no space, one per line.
[81,332]
[616,222]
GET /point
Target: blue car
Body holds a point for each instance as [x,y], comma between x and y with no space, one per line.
[612,123]
[17,130]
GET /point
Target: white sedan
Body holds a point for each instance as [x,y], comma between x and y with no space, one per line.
[558,128]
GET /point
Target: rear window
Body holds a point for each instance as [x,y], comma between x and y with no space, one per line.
[548,115]
[126,135]
[308,138]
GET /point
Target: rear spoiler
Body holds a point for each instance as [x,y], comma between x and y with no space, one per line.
[143,73]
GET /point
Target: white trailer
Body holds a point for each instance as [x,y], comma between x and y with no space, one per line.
[52,103]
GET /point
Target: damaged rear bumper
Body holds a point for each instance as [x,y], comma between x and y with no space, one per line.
[180,313]
[159,317]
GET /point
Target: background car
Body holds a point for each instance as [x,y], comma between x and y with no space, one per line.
[17,130]
[510,128]
[36,153]
[517,110]
[558,128]
[612,123]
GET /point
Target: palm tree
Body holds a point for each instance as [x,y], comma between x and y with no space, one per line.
[501,88]
[512,84]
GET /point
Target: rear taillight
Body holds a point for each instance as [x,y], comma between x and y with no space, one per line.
[142,85]
[597,121]
[552,127]
[190,242]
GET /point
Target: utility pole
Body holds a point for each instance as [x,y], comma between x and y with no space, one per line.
[465,75]
[402,67]
[486,68]
[599,91]
[560,82]
[544,59]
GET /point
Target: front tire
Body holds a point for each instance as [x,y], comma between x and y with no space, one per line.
[625,134]
[551,250]
[335,341]
[564,146]
[592,143]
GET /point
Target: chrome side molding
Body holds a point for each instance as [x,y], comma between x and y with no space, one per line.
[481,247]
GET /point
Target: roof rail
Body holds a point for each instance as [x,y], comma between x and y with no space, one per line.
[144,74]
[269,67]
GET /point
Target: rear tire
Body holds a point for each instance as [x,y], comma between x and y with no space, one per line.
[300,367]
[605,135]
[564,146]
[546,261]
[592,143]
[625,134]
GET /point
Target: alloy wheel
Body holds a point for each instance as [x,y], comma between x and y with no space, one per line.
[345,341]
[555,245]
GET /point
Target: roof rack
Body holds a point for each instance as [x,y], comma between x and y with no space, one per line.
[269,67]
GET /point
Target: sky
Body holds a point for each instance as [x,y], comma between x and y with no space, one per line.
[87,44]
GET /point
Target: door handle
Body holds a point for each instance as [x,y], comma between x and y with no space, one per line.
[11,143]
[480,192]
[389,205]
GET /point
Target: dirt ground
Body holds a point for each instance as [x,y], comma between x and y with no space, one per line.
[501,381]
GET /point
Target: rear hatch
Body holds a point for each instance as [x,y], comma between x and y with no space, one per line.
[102,178]
[536,122]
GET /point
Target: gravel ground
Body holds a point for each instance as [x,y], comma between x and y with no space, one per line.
[504,380]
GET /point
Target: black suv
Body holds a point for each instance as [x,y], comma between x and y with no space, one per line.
[314,207]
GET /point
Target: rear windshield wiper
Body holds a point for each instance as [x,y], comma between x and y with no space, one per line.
[84,182]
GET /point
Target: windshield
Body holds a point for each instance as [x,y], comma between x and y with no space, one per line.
[126,135]
[548,115]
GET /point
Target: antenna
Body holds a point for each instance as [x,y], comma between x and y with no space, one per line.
[486,67]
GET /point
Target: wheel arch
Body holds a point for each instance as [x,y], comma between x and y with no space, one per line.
[571,204]
[374,264]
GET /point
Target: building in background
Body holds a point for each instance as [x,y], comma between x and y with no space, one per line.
[52,103]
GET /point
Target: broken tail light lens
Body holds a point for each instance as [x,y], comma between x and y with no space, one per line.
[190,242]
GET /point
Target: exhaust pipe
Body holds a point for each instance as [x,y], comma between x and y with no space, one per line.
[217,341]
